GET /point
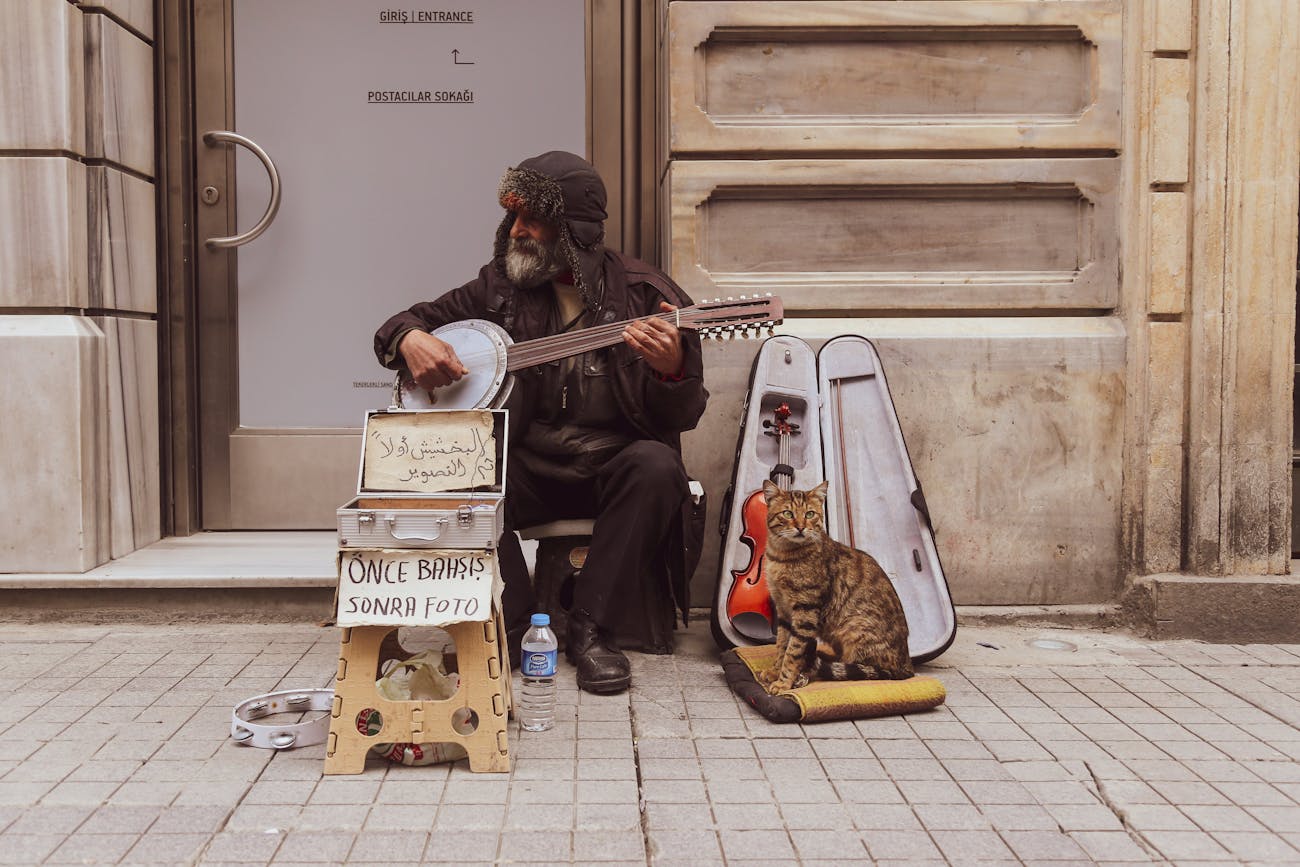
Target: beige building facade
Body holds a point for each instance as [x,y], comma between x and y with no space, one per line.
[1069,226]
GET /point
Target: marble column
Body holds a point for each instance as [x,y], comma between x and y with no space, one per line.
[79,477]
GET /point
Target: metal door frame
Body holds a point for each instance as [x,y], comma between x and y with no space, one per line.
[197,286]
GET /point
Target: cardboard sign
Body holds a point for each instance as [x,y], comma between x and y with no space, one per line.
[415,588]
[429,452]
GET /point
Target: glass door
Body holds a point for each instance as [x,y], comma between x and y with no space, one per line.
[382,132]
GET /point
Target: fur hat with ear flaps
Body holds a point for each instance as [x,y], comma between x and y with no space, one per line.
[564,190]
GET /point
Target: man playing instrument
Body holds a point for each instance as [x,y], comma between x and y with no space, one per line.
[597,434]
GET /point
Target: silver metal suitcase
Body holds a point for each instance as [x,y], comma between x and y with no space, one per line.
[425,510]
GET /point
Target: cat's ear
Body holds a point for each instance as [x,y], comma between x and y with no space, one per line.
[770,489]
[821,489]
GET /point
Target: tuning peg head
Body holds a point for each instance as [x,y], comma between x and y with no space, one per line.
[742,298]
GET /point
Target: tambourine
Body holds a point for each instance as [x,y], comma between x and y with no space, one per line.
[244,731]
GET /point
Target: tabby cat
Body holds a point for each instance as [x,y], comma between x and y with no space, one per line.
[837,614]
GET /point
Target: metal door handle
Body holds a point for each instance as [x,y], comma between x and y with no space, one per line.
[221,136]
[439,524]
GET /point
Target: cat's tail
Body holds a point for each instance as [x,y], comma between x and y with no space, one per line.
[830,670]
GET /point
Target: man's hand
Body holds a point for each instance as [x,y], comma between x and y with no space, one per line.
[432,362]
[657,341]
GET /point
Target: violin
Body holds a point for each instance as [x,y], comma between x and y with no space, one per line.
[749,605]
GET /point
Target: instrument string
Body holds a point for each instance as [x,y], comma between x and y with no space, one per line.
[543,349]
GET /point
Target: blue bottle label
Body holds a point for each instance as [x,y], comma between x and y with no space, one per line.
[539,663]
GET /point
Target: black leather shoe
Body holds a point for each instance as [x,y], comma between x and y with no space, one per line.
[602,667]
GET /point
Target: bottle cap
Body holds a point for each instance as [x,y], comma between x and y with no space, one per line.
[541,620]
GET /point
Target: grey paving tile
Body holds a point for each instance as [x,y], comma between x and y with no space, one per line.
[1110,846]
[332,817]
[1256,794]
[963,847]
[385,817]
[833,846]
[756,845]
[670,769]
[951,817]
[1258,847]
[1084,817]
[1018,817]
[1044,846]
[301,847]
[931,792]
[332,790]
[900,845]
[724,748]
[541,792]
[670,748]
[1277,819]
[92,849]
[263,817]
[599,846]
[242,847]
[678,816]
[997,792]
[408,792]
[28,848]
[166,848]
[809,817]
[88,794]
[541,817]
[958,749]
[797,791]
[1187,845]
[389,846]
[1183,792]
[610,817]
[854,769]
[1063,792]
[49,820]
[686,846]
[868,792]
[742,817]
[740,769]
[883,817]
[118,819]
[477,817]
[186,819]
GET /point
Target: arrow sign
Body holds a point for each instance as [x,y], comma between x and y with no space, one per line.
[455,57]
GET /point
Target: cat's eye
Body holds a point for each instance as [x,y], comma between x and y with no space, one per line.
[787,514]
[810,515]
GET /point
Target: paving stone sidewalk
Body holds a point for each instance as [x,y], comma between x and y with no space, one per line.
[115,749]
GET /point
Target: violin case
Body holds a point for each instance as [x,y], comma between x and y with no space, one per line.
[848,433]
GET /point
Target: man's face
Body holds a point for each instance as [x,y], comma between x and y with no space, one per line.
[531,257]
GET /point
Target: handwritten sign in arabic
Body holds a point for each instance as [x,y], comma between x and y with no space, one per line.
[429,452]
[415,588]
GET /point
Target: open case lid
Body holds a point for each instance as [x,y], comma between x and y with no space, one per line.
[433,452]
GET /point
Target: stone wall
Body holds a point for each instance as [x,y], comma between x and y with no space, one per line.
[78,286]
[945,179]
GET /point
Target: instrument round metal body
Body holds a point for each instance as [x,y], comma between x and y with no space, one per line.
[481,346]
[287,736]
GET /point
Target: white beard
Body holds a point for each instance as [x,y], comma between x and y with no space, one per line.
[531,263]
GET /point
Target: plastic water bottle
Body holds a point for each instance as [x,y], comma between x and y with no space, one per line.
[537,667]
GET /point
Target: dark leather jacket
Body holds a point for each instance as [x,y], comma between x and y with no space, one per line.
[654,407]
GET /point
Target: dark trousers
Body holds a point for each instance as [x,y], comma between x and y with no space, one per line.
[635,498]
